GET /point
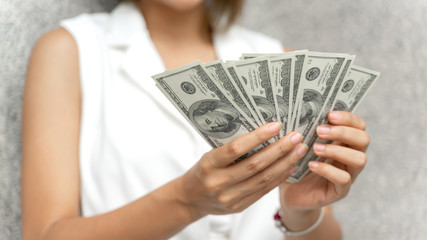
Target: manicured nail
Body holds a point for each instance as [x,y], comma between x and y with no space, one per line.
[313,164]
[275,127]
[302,149]
[320,147]
[296,138]
[323,130]
[293,170]
[335,116]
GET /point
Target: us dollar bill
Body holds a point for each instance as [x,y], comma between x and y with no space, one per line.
[296,71]
[317,81]
[310,134]
[231,89]
[250,101]
[199,99]
[282,71]
[300,60]
[256,77]
[282,76]
[355,85]
[320,75]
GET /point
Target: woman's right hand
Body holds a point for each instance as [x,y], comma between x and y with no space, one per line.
[218,185]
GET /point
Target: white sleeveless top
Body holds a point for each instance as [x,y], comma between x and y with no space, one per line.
[132,139]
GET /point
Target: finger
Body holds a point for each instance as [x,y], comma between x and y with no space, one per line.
[353,137]
[228,153]
[339,177]
[250,199]
[353,159]
[346,119]
[264,158]
[277,172]
[247,200]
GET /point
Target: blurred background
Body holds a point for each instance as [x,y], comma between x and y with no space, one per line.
[388,201]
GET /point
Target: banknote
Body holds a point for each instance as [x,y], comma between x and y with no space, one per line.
[282,73]
[299,61]
[250,101]
[356,83]
[256,77]
[230,88]
[330,95]
[310,136]
[282,76]
[225,100]
[317,80]
[199,98]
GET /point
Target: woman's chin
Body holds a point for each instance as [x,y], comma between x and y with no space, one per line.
[181,5]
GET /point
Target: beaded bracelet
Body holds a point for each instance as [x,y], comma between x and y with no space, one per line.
[282,228]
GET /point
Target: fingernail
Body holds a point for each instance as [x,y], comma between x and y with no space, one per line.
[296,138]
[293,170]
[275,127]
[313,164]
[320,147]
[302,149]
[335,116]
[323,130]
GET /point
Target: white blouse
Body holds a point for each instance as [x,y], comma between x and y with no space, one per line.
[132,139]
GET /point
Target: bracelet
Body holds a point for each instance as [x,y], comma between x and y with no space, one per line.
[282,228]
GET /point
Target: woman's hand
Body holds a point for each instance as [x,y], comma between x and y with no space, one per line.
[331,179]
[218,185]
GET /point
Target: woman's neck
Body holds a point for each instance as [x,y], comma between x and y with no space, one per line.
[181,33]
[176,26]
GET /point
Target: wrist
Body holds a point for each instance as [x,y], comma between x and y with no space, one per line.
[183,198]
[299,220]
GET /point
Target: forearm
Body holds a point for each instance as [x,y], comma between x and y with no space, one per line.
[328,229]
[158,215]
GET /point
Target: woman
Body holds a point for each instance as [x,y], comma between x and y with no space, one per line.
[105,156]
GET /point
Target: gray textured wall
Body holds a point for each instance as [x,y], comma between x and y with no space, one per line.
[21,24]
[388,199]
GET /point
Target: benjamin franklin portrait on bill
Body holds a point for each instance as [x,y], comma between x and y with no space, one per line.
[215,118]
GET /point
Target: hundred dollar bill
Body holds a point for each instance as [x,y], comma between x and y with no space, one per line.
[250,101]
[317,80]
[310,133]
[282,79]
[299,61]
[230,88]
[356,84]
[256,77]
[199,98]
[321,118]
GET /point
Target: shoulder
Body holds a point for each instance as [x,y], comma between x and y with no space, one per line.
[56,41]
[257,40]
[57,46]
[64,39]
[53,64]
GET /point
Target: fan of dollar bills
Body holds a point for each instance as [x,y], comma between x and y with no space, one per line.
[225,100]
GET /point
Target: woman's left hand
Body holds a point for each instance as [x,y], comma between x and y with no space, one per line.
[330,180]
